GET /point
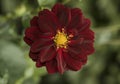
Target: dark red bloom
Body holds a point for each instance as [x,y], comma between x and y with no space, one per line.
[60,39]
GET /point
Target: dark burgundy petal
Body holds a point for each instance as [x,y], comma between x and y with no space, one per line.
[82,56]
[33,56]
[85,47]
[48,21]
[77,52]
[47,54]
[88,47]
[40,44]
[34,21]
[28,41]
[84,60]
[88,41]
[76,19]
[63,14]
[32,33]
[51,66]
[85,25]
[46,35]
[82,28]
[75,48]
[60,61]
[87,34]
[39,64]
[73,64]
[76,41]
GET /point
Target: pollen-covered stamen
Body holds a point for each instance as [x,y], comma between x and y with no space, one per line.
[61,39]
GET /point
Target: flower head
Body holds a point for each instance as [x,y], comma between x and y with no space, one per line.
[60,39]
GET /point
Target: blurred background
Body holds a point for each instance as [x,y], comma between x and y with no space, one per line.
[103,67]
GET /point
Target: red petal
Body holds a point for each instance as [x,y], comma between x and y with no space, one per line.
[84,60]
[63,14]
[34,21]
[82,28]
[75,48]
[47,54]
[88,47]
[39,64]
[40,44]
[48,21]
[76,19]
[85,25]
[77,52]
[32,33]
[88,41]
[72,63]
[60,61]
[51,66]
[46,35]
[28,41]
[34,56]
[76,41]
[87,34]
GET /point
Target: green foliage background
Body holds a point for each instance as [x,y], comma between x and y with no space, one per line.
[103,67]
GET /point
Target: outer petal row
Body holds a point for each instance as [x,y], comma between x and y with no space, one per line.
[63,14]
[48,21]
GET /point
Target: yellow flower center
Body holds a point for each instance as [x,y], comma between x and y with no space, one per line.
[61,39]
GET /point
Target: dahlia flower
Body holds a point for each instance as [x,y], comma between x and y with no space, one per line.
[60,39]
